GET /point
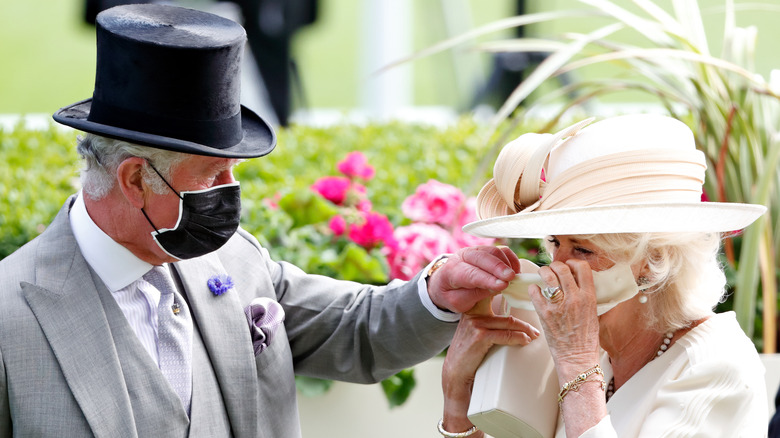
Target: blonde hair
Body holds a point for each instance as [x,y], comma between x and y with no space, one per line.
[102,157]
[686,279]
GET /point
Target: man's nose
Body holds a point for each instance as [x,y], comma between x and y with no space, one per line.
[225,177]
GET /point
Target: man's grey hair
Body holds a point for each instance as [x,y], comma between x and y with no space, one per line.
[102,157]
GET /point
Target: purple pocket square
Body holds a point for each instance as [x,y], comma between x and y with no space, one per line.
[264,316]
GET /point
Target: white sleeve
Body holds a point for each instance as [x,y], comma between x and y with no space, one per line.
[422,290]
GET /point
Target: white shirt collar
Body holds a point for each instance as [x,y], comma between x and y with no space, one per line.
[113,263]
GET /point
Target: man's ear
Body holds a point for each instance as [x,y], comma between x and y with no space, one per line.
[130,180]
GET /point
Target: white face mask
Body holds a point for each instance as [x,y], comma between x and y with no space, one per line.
[613,286]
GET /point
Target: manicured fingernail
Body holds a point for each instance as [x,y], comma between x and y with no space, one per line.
[507,272]
[500,283]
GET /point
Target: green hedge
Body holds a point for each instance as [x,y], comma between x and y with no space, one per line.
[39,171]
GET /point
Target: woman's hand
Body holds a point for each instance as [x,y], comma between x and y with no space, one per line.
[569,321]
[472,341]
[571,328]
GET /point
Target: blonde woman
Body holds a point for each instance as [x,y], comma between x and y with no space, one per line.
[620,199]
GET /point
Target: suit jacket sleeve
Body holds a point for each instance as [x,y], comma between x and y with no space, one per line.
[349,331]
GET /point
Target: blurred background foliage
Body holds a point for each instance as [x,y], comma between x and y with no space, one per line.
[52,51]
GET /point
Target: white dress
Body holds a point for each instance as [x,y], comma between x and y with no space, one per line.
[710,383]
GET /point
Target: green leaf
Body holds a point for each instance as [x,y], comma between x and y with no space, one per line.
[356,264]
[306,207]
[398,387]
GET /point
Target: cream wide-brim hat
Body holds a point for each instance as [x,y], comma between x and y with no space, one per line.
[625,174]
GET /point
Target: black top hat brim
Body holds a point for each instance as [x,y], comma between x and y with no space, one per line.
[258,139]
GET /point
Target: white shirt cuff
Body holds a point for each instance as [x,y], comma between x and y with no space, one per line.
[422,290]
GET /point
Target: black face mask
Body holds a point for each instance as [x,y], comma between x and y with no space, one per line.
[207,220]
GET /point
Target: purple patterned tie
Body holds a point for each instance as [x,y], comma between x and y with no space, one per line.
[174,335]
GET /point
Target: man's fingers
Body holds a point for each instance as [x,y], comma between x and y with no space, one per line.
[514,261]
[496,262]
[471,275]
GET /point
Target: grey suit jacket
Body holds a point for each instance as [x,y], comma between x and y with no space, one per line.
[60,373]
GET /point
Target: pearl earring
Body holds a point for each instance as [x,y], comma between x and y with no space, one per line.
[642,299]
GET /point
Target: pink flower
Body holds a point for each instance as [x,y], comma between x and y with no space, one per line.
[372,231]
[434,202]
[416,245]
[338,225]
[364,205]
[467,215]
[356,165]
[356,193]
[273,202]
[359,189]
[332,188]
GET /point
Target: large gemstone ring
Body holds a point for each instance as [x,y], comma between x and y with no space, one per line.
[552,292]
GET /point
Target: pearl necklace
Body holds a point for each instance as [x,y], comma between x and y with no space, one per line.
[661,350]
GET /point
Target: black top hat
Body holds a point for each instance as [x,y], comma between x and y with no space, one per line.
[169,77]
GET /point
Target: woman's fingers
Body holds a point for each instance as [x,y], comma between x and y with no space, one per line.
[569,321]
[477,334]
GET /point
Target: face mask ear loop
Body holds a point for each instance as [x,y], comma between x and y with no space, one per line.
[149,220]
[161,177]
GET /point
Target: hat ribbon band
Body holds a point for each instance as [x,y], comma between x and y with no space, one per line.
[631,177]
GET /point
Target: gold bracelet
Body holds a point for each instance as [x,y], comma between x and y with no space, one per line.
[581,379]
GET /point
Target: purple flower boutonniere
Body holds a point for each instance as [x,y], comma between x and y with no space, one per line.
[219,284]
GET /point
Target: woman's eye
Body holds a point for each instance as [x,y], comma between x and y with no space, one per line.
[583,251]
[554,241]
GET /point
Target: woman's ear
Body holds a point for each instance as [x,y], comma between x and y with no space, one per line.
[130,180]
[643,276]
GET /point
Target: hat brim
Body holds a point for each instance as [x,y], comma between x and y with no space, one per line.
[625,218]
[258,137]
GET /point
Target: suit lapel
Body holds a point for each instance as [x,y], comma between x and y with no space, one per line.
[225,333]
[66,304]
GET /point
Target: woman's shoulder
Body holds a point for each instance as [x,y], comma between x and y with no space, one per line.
[720,346]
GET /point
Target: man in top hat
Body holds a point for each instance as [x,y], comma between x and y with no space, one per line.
[145,310]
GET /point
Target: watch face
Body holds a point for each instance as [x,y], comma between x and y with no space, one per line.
[437,265]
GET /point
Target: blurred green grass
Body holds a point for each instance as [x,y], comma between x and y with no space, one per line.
[48,52]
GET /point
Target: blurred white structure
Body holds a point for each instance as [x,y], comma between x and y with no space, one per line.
[387,31]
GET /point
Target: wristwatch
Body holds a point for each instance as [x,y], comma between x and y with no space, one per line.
[435,267]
